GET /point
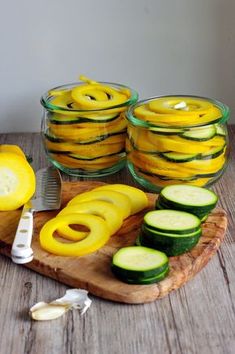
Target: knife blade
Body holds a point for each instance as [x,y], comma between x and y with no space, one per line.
[47,197]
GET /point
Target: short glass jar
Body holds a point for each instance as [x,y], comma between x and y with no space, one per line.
[177,139]
[86,142]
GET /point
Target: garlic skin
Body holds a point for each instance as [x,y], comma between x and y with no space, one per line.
[74,298]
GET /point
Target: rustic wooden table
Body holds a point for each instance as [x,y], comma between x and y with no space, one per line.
[197,318]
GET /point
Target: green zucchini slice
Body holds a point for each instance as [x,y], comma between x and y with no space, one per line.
[63,119]
[145,281]
[182,179]
[220,130]
[179,237]
[136,262]
[212,153]
[170,244]
[178,156]
[92,140]
[200,134]
[172,221]
[166,131]
[186,197]
[202,215]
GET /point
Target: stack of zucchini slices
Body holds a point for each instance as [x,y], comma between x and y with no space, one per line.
[175,227]
[171,231]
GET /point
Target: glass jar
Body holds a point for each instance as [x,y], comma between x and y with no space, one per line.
[177,139]
[86,142]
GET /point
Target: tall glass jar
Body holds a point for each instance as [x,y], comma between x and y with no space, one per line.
[86,142]
[177,139]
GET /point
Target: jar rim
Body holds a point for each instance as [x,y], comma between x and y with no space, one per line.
[51,107]
[225,111]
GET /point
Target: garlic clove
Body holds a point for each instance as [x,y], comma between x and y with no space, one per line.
[73,299]
[46,312]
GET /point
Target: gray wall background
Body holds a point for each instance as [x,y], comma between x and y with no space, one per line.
[155,46]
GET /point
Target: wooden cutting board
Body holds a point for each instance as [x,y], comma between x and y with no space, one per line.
[92,272]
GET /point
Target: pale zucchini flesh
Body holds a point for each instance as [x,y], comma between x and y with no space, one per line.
[191,196]
[168,221]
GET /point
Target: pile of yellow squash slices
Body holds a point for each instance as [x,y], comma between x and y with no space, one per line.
[101,211]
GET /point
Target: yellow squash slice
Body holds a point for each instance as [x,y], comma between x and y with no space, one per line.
[121,201]
[97,237]
[138,198]
[107,211]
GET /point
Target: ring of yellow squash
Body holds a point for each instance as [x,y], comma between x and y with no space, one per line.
[97,237]
[107,211]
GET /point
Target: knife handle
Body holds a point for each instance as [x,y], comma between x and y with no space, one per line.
[21,251]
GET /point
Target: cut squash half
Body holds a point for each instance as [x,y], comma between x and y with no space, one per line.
[15,149]
[17,181]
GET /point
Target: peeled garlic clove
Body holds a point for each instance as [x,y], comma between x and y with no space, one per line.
[46,312]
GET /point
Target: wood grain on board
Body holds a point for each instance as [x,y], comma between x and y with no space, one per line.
[92,272]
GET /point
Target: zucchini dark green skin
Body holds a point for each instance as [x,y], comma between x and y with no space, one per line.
[130,274]
[84,158]
[212,155]
[200,212]
[168,204]
[51,151]
[164,204]
[177,158]
[137,241]
[83,142]
[193,178]
[202,134]
[201,215]
[145,281]
[170,250]
[172,246]
[174,157]
[159,206]
[145,229]
[167,131]
[53,139]
[204,218]
[81,120]
[139,263]
[177,232]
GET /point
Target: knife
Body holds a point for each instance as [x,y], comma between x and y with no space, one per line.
[47,197]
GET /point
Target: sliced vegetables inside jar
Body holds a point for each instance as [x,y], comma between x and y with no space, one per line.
[86,119]
[177,139]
